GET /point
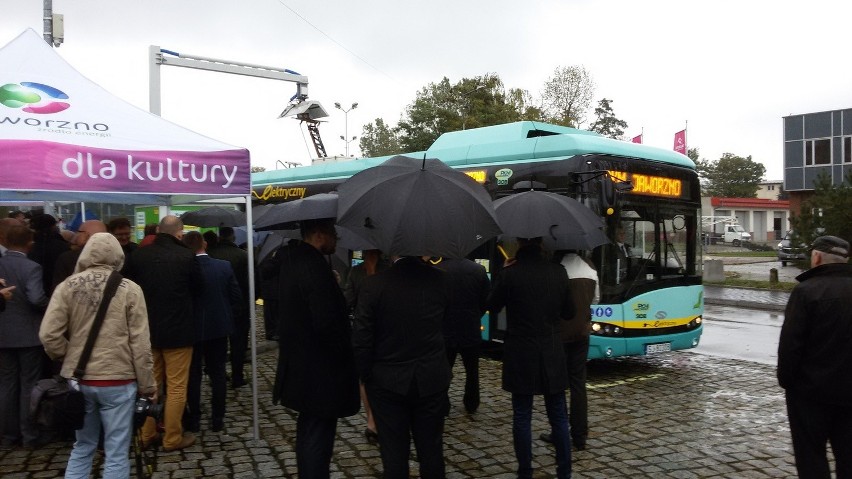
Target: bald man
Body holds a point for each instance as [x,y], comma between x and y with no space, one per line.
[66,262]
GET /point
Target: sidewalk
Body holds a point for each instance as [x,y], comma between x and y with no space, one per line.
[746,297]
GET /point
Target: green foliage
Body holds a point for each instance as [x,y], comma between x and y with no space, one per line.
[827,212]
[731,176]
[606,123]
[377,139]
[442,107]
[567,95]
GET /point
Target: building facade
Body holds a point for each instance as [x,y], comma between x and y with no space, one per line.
[815,144]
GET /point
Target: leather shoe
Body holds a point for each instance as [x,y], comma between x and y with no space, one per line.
[545,436]
[186,441]
[372,436]
[236,384]
[154,441]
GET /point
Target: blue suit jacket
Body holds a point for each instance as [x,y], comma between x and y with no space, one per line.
[214,310]
[20,322]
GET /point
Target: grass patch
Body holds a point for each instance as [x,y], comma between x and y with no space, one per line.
[753,283]
[746,254]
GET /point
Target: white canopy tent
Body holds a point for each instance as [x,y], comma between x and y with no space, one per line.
[64,138]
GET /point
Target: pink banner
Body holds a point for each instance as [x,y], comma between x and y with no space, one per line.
[680,142]
[637,139]
[42,165]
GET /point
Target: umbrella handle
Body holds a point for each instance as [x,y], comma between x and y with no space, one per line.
[503,252]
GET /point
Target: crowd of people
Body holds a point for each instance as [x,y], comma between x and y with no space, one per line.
[382,338]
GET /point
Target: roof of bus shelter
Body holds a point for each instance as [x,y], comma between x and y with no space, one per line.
[64,138]
[509,143]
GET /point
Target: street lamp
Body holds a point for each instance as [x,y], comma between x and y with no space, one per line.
[346,120]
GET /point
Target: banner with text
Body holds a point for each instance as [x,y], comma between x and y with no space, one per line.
[680,142]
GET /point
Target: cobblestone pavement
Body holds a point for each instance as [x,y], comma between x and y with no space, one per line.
[678,415]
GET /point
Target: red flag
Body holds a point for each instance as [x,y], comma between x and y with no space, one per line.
[680,142]
[637,139]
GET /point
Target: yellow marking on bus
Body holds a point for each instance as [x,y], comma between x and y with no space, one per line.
[624,382]
[478,175]
[640,323]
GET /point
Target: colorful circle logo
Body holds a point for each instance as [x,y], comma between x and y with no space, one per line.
[35,97]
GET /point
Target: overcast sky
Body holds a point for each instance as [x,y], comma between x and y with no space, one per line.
[731,69]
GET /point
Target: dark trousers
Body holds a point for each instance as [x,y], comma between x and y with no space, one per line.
[270,318]
[211,355]
[239,346]
[813,424]
[522,433]
[314,445]
[402,416]
[576,353]
[470,361]
[20,369]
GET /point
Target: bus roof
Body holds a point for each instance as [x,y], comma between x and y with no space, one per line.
[518,142]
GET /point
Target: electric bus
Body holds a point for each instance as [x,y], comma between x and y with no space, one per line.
[650,301]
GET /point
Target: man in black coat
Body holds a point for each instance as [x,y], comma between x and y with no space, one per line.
[170,278]
[316,373]
[468,285]
[227,250]
[400,354]
[815,360]
[537,296]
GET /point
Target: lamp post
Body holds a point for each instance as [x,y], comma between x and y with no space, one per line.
[345,136]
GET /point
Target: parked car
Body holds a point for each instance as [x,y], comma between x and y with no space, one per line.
[786,251]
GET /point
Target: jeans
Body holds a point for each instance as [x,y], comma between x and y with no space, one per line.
[112,407]
[20,369]
[171,367]
[314,445]
[557,415]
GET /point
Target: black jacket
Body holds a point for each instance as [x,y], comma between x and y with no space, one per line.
[815,349]
[468,286]
[238,258]
[171,279]
[316,370]
[398,336]
[537,296]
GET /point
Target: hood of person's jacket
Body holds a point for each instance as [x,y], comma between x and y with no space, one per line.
[102,249]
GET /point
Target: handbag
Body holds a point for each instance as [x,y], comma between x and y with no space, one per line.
[57,402]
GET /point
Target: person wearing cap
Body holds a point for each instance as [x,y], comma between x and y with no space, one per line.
[814,360]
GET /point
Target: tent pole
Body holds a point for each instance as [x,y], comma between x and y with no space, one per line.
[253,318]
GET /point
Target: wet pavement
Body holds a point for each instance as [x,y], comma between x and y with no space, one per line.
[678,415]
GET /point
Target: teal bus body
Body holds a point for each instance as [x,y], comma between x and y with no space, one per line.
[651,302]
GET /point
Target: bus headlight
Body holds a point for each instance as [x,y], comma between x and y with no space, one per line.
[606,329]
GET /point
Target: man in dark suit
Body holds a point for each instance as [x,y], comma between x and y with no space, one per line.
[537,296]
[214,312]
[316,374]
[48,245]
[468,285]
[227,250]
[171,279]
[20,348]
[400,354]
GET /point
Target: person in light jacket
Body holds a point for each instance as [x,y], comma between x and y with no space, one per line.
[121,364]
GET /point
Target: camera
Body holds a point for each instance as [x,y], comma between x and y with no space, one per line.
[145,408]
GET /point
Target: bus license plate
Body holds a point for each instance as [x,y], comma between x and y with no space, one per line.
[658,348]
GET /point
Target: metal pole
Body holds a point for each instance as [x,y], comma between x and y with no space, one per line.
[48,22]
[154,59]
[346,130]
[253,318]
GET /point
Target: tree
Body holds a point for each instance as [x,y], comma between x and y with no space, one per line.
[731,176]
[827,212]
[606,122]
[443,106]
[567,95]
[377,139]
[522,102]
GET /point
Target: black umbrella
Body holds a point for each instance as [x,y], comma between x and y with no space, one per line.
[214,217]
[562,222]
[287,215]
[416,207]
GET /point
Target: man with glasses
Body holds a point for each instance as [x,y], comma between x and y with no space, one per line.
[316,368]
[123,232]
[814,360]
